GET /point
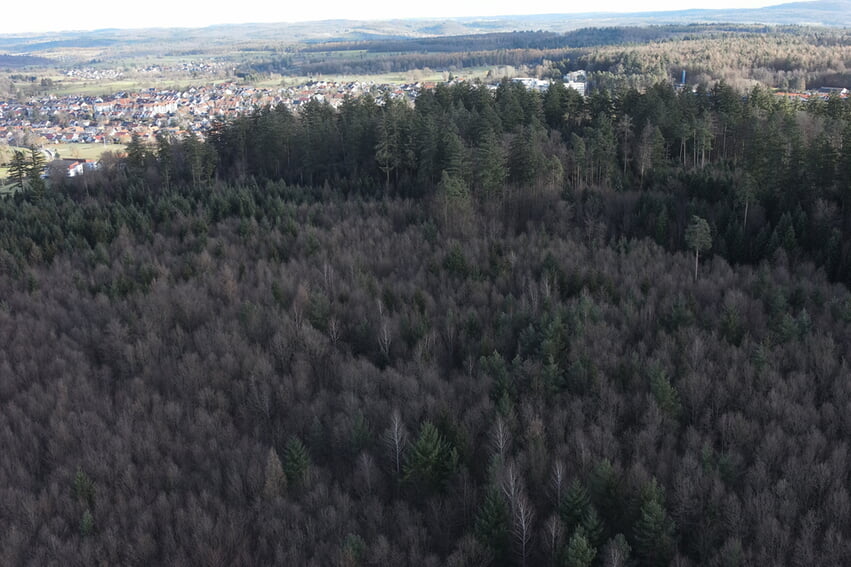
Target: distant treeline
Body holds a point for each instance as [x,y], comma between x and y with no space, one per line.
[785,57]
[584,37]
[19,61]
[798,59]
[472,42]
[80,42]
[456,60]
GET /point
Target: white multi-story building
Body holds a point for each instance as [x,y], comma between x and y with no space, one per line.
[576,81]
[532,84]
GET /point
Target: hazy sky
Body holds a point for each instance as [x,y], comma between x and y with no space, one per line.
[52,15]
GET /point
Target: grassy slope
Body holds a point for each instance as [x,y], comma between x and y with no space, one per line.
[84,151]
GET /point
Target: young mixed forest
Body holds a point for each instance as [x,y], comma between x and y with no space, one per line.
[498,327]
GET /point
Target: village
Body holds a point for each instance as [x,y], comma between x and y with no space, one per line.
[115,119]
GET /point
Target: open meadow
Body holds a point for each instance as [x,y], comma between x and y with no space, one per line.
[84,151]
[64,151]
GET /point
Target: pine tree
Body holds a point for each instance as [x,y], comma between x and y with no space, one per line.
[606,493]
[87,523]
[137,156]
[431,459]
[296,462]
[454,198]
[450,153]
[845,170]
[525,158]
[602,148]
[744,192]
[578,154]
[574,505]
[650,150]
[165,158]
[200,158]
[698,238]
[592,527]
[490,171]
[579,551]
[491,525]
[84,489]
[555,105]
[391,149]
[18,169]
[625,134]
[508,100]
[352,550]
[35,169]
[664,392]
[653,534]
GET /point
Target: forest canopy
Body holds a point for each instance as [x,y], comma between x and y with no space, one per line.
[495,328]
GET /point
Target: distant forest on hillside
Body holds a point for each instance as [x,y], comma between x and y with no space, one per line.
[617,58]
[19,61]
[585,37]
[495,328]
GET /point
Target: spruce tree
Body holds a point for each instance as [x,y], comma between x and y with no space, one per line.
[35,169]
[296,462]
[492,520]
[653,534]
[698,238]
[137,156]
[593,527]
[574,505]
[431,459]
[491,171]
[579,551]
[18,169]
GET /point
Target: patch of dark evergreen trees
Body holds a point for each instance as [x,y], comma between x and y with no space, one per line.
[767,174]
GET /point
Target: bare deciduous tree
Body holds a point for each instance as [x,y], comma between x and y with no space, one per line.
[523,518]
[396,439]
[500,437]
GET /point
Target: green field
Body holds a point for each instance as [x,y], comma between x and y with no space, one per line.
[66,151]
[96,88]
[63,86]
[84,151]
